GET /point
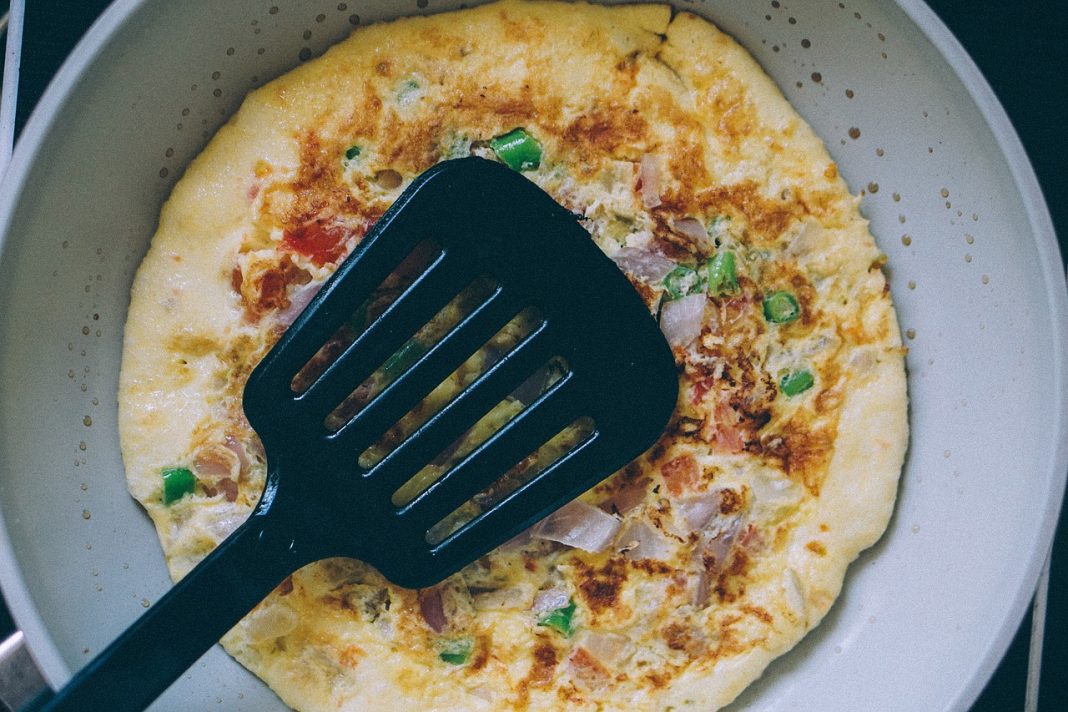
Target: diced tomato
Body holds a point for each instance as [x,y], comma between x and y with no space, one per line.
[320,243]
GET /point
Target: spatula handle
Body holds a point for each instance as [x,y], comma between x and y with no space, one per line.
[164,642]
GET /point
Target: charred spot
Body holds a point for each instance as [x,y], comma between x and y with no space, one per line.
[544,663]
[606,130]
[652,567]
[766,217]
[601,587]
[676,636]
[483,645]
[730,501]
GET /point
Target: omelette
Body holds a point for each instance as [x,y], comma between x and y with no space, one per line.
[673,583]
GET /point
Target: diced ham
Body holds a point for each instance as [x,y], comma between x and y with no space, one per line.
[680,474]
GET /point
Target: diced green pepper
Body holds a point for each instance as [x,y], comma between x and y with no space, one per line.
[796,382]
[722,275]
[519,150]
[352,152]
[560,619]
[358,320]
[781,307]
[680,281]
[456,651]
[402,359]
[177,483]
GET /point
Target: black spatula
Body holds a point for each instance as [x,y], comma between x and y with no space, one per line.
[472,222]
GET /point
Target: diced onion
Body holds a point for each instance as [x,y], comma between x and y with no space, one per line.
[551,599]
[695,512]
[691,228]
[513,597]
[611,649]
[214,462]
[681,319]
[432,609]
[269,622]
[580,525]
[638,540]
[299,298]
[650,178]
[238,449]
[643,265]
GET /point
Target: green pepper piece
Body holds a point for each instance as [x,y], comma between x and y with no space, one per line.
[519,150]
[680,281]
[796,382]
[722,275]
[781,307]
[402,359]
[352,152]
[560,619]
[177,483]
[456,651]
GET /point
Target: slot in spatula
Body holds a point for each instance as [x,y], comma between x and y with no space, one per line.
[484,224]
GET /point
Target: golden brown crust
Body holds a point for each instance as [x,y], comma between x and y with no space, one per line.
[734,529]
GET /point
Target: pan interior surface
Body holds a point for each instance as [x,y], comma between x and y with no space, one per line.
[973,268]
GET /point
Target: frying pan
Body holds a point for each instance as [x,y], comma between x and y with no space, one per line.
[924,616]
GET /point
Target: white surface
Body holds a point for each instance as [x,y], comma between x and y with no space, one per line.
[925,615]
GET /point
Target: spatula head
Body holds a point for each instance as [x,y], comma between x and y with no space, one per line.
[608,383]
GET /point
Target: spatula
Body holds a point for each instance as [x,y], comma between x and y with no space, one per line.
[614,370]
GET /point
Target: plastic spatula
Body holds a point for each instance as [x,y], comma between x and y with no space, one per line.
[485,222]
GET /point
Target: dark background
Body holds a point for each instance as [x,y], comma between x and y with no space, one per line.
[1021,48]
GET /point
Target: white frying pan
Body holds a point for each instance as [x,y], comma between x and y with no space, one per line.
[924,616]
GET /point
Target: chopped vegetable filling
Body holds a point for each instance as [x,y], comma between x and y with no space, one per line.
[177,483]
[722,275]
[456,651]
[796,382]
[560,619]
[781,307]
[518,149]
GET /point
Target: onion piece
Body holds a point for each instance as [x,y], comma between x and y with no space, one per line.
[649,175]
[580,525]
[269,622]
[550,599]
[238,449]
[299,298]
[695,512]
[215,462]
[638,540]
[631,494]
[432,609]
[713,552]
[612,649]
[513,597]
[691,228]
[643,265]
[681,319]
